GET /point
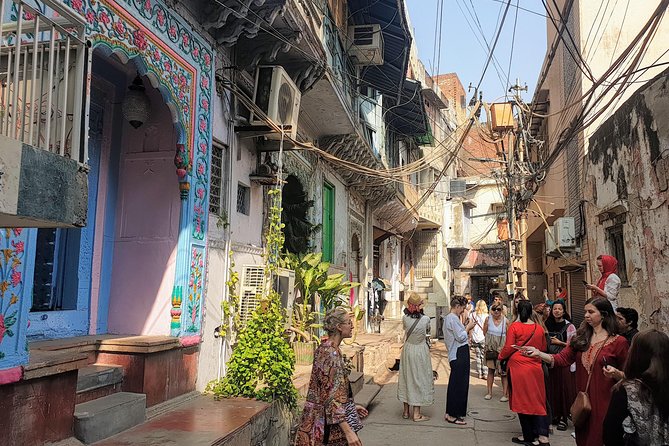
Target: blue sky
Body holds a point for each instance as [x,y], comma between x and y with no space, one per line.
[462,53]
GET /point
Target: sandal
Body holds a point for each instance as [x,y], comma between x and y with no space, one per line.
[405,416]
[562,426]
[421,418]
[459,421]
[517,440]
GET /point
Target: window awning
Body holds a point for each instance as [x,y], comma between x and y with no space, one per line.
[409,117]
[390,14]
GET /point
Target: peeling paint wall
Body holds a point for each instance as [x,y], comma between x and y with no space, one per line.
[627,182]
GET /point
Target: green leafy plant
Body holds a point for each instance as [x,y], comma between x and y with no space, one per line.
[231,322]
[262,362]
[317,290]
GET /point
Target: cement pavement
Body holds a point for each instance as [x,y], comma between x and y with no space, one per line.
[489,422]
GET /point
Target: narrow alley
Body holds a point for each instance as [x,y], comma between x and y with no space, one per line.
[488,423]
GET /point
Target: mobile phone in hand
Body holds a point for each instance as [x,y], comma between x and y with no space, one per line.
[585,283]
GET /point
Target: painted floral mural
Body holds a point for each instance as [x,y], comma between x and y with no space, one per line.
[12,249]
[192,320]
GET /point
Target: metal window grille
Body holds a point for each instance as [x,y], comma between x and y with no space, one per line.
[215,193]
[243,199]
[427,254]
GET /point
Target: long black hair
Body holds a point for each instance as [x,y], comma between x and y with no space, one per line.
[581,340]
[524,310]
[647,362]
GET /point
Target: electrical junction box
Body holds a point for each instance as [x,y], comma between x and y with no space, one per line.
[502,117]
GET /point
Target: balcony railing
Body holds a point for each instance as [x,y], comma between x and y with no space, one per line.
[44,66]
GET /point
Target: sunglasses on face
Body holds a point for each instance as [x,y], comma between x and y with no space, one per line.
[496,309]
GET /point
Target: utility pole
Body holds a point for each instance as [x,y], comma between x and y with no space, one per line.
[517,260]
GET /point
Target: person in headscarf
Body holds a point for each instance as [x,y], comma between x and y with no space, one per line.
[609,283]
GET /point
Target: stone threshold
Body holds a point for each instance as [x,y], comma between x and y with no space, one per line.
[54,356]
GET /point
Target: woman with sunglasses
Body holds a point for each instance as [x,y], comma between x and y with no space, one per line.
[494,329]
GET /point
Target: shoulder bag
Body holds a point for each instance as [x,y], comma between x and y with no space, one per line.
[505,362]
[491,355]
[410,330]
[581,408]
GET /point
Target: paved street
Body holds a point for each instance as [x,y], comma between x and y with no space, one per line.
[490,422]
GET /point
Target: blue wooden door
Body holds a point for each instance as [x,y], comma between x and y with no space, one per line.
[63,261]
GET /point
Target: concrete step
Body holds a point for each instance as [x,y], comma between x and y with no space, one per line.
[357,379]
[423,290]
[98,375]
[109,415]
[423,283]
[367,394]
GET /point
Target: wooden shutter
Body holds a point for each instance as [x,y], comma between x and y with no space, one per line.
[328,222]
[577,296]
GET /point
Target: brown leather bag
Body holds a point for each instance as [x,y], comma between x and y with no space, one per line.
[581,408]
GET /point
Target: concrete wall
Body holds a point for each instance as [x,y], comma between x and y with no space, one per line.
[628,186]
[40,188]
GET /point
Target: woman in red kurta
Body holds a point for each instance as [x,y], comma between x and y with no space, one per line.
[527,396]
[595,345]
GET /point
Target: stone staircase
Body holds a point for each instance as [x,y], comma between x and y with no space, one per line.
[102,409]
[103,417]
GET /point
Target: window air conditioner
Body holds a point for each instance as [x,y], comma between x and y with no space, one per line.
[276,94]
[252,284]
[366,44]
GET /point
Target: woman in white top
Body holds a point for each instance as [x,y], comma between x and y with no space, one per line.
[494,329]
[456,336]
[609,284]
[416,386]
[478,338]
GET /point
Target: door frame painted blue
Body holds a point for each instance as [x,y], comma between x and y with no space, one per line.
[66,323]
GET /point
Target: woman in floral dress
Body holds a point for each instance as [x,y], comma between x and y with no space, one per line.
[330,415]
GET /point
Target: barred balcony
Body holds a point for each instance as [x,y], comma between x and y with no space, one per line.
[44,68]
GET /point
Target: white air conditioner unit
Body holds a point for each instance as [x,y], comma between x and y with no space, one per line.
[564,233]
[276,94]
[366,44]
[252,284]
[549,240]
[253,281]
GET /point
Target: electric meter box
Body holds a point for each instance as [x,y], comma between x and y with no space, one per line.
[502,117]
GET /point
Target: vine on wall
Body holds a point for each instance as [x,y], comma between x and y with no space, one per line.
[262,363]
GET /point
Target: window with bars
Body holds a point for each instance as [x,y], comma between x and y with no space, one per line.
[243,199]
[216,195]
[617,246]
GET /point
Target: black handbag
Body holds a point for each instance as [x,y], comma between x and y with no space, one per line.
[554,349]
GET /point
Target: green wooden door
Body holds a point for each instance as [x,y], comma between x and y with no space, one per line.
[328,222]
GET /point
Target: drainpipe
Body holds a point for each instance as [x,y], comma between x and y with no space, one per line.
[232,146]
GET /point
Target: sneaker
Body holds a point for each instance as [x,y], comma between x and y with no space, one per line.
[487,397]
[504,399]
